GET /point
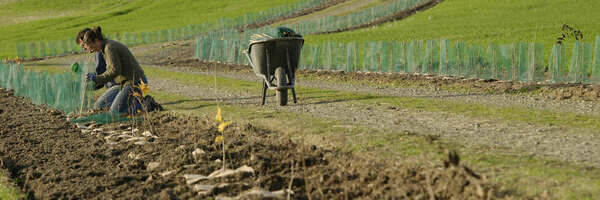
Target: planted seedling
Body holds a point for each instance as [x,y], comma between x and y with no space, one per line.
[141,90]
[222,126]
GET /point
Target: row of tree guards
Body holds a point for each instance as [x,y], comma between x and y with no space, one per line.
[523,62]
[66,91]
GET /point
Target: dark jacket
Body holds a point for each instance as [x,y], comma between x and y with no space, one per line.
[100,63]
[121,65]
[101,68]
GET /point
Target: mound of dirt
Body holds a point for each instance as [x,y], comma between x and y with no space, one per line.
[174,157]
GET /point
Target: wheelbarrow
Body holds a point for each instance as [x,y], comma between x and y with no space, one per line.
[276,61]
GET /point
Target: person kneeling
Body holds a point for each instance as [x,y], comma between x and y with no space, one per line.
[122,68]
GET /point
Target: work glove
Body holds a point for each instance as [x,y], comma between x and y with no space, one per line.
[91,77]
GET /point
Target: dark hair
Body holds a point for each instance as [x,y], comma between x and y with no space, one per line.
[80,35]
[92,35]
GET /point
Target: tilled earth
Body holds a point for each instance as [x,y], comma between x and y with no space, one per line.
[175,157]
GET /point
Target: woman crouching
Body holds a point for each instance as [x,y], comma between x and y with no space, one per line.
[121,68]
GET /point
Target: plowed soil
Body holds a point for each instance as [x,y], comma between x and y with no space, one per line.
[51,158]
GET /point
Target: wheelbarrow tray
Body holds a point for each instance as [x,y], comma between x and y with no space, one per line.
[266,56]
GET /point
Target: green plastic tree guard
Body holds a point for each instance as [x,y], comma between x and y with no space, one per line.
[595,76]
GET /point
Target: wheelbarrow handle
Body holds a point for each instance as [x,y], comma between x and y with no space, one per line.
[247,53]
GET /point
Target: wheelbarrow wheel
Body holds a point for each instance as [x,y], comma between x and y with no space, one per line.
[281,79]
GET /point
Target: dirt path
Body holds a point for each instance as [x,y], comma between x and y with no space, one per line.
[348,6]
[300,14]
[52,159]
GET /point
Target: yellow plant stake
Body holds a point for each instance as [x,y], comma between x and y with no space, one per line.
[221,128]
[144,89]
[219,139]
[219,118]
[224,125]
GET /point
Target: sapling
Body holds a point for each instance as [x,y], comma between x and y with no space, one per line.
[139,94]
[221,128]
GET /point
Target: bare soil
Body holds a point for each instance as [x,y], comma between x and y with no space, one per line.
[51,158]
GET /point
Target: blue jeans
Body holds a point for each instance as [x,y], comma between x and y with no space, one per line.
[106,100]
[125,102]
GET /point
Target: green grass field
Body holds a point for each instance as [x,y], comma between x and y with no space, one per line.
[486,21]
[35,20]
